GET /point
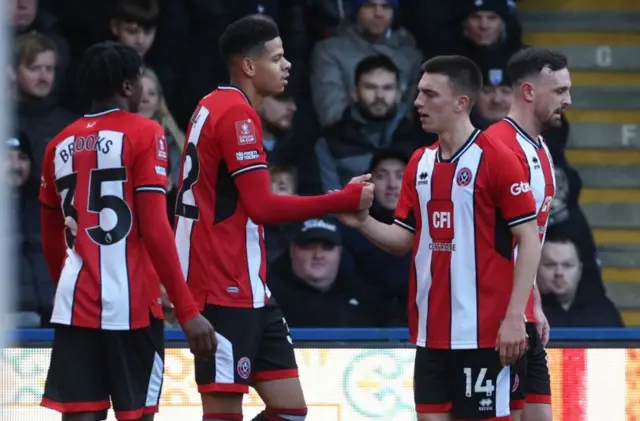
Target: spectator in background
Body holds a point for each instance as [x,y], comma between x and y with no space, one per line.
[39,115]
[383,271]
[134,23]
[567,300]
[277,115]
[278,236]
[35,289]
[334,60]
[374,121]
[154,106]
[495,98]
[29,18]
[310,288]
[485,38]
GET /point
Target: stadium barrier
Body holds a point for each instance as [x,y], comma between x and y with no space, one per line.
[360,374]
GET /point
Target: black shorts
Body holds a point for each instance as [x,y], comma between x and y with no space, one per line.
[470,384]
[92,368]
[533,374]
[253,345]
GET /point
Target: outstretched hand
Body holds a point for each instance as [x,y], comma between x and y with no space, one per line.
[355,219]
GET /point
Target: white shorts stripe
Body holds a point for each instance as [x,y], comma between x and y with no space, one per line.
[225,365]
[155,381]
[114,276]
[503,392]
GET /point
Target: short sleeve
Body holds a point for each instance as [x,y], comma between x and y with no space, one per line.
[407,202]
[241,140]
[48,193]
[149,172]
[513,192]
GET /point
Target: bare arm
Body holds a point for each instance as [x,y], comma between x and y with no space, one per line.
[390,238]
[526,267]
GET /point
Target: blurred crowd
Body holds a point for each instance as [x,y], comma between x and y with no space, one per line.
[348,109]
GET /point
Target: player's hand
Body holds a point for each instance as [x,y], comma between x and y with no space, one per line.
[201,337]
[366,196]
[164,299]
[512,340]
[542,325]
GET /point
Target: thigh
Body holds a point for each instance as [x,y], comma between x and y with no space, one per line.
[537,380]
[481,385]
[275,358]
[136,369]
[77,378]
[238,335]
[432,381]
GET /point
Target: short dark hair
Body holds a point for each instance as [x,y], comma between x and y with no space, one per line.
[465,76]
[247,36]
[105,67]
[371,63]
[142,12]
[531,60]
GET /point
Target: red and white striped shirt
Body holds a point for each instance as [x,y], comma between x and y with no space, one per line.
[221,249]
[91,171]
[461,211]
[539,170]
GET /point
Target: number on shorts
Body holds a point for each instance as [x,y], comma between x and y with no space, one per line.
[480,386]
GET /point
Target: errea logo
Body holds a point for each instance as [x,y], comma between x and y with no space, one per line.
[423,178]
[518,188]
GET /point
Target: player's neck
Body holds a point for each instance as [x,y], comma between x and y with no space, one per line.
[526,119]
[248,89]
[453,139]
[108,104]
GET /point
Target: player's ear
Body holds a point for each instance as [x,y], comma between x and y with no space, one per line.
[527,91]
[354,94]
[463,103]
[127,88]
[114,27]
[248,66]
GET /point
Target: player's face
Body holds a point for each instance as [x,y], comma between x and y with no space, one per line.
[552,96]
[36,79]
[387,178]
[375,17]
[133,91]
[271,69]
[560,269]
[135,36]
[437,104]
[17,167]
[377,92]
[316,263]
[494,102]
[150,101]
[483,28]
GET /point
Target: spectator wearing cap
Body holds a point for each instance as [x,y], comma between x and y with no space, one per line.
[334,60]
[486,38]
[382,271]
[495,98]
[310,287]
[374,121]
[35,289]
[39,115]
